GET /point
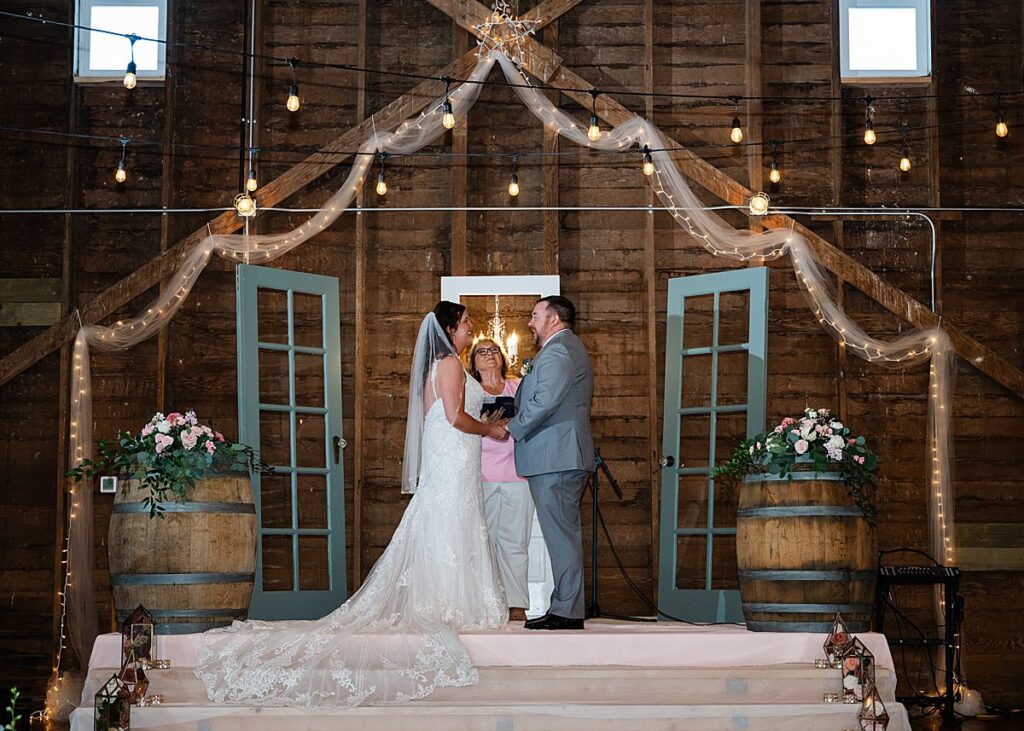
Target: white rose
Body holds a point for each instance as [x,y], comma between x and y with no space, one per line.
[812,414]
[809,434]
[163,426]
[836,425]
[837,442]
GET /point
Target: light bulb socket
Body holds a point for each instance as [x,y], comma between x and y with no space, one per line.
[132,68]
[446,107]
[736,123]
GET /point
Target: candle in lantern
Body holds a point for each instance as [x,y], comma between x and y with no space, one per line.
[512,346]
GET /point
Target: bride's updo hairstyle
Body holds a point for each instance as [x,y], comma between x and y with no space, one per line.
[448,315]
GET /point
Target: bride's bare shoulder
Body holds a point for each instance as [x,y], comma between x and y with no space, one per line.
[451,367]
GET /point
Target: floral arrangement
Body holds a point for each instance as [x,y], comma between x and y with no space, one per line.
[817,441]
[170,455]
[526,367]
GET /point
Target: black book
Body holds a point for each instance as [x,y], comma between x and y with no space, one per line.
[505,404]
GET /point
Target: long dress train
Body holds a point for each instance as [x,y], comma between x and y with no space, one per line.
[396,638]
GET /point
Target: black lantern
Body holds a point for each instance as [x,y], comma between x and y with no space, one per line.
[137,636]
[872,715]
[113,710]
[837,641]
[858,671]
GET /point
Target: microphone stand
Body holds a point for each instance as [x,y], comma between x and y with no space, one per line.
[594,609]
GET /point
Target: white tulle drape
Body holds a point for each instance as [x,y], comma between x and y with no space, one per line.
[711,231]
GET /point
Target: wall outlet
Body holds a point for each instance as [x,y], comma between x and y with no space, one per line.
[108,484]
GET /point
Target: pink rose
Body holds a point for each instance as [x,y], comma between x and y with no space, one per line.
[210,446]
[163,442]
[188,439]
[218,436]
[148,429]
[801,446]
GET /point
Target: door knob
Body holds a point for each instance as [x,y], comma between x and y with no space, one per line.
[667,461]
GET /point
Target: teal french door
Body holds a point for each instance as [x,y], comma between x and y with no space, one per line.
[289,404]
[715,370]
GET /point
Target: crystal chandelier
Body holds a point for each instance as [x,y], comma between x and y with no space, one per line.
[496,333]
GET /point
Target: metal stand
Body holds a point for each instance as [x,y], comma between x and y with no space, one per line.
[593,608]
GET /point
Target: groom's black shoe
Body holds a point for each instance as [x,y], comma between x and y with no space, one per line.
[553,621]
[532,623]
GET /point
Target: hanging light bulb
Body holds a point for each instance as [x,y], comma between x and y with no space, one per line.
[905,160]
[121,174]
[382,186]
[245,205]
[869,127]
[737,132]
[759,204]
[775,175]
[513,181]
[448,118]
[594,131]
[293,102]
[251,183]
[130,80]
[869,133]
[1001,129]
[648,166]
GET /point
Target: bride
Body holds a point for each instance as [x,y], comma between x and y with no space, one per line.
[396,638]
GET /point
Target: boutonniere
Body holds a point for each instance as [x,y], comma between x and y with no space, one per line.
[527,367]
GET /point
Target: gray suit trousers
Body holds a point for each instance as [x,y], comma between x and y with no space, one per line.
[557,497]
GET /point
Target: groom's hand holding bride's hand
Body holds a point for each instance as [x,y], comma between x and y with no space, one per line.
[497,430]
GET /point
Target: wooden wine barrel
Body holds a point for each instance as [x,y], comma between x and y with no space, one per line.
[804,551]
[193,569]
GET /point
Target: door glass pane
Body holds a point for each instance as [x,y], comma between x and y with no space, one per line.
[274,377]
[309,379]
[733,317]
[277,563]
[694,432]
[312,498]
[276,501]
[308,314]
[698,321]
[310,444]
[693,501]
[696,389]
[275,438]
[691,562]
[313,563]
[272,311]
[732,378]
[723,575]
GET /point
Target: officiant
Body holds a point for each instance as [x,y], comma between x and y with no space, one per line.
[507,501]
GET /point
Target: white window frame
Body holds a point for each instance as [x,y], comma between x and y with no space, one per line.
[84,74]
[924,42]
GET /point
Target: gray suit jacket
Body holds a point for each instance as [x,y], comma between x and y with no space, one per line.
[552,422]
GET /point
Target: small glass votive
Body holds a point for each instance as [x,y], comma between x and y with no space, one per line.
[830,698]
[151,700]
[160,664]
[821,663]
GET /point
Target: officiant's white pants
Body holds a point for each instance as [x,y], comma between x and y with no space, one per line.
[509,510]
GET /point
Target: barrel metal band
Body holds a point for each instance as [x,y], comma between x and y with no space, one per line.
[188,628]
[758,626]
[205,578]
[793,575]
[196,507]
[786,608]
[801,511]
[797,475]
[122,615]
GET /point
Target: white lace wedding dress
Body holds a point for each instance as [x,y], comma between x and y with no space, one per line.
[396,638]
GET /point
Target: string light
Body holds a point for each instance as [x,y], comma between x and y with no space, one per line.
[382,187]
[774,174]
[513,181]
[121,174]
[869,127]
[130,80]
[737,131]
[594,132]
[448,118]
[759,204]
[1001,129]
[251,183]
[293,102]
[905,152]
[648,166]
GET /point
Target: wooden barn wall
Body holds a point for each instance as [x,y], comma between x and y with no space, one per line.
[615,265]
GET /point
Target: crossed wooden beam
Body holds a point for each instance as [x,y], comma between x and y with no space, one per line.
[545,64]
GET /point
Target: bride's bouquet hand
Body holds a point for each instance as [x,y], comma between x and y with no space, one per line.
[498,431]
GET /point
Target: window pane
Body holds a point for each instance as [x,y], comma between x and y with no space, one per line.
[883,39]
[114,52]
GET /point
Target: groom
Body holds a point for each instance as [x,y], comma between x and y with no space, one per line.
[555,451]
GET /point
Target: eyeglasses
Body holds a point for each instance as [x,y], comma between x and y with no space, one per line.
[489,351]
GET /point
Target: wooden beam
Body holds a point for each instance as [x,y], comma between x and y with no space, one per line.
[755,107]
[30,289]
[651,286]
[29,314]
[273,193]
[838,227]
[460,172]
[552,224]
[990,546]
